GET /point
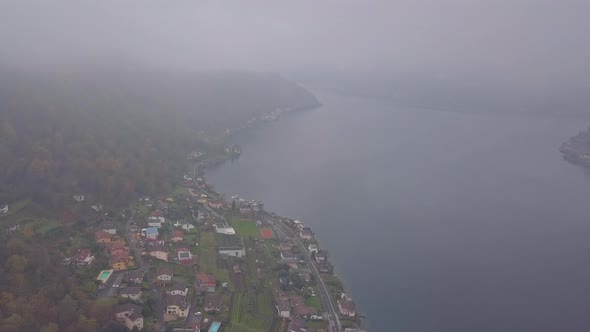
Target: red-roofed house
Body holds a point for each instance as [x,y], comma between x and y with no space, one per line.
[184,256]
[205,282]
[177,236]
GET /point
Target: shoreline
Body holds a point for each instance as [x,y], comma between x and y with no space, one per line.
[200,170]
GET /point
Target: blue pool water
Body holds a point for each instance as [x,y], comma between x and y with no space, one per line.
[215,327]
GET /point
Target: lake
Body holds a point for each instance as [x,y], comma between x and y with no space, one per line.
[435,220]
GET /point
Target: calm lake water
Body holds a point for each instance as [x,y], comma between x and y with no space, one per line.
[436,221]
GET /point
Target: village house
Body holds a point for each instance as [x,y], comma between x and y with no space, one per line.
[283,307]
[134,320]
[164,276]
[205,282]
[123,310]
[179,289]
[224,228]
[150,233]
[176,236]
[4,209]
[346,306]
[159,251]
[305,274]
[230,245]
[115,249]
[133,293]
[108,227]
[118,263]
[78,198]
[305,233]
[313,248]
[187,227]
[321,257]
[102,237]
[215,204]
[184,256]
[155,221]
[122,261]
[135,276]
[212,302]
[297,325]
[177,305]
[288,257]
[286,246]
[82,257]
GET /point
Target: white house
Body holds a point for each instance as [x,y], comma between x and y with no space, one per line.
[79,198]
[179,289]
[164,276]
[156,221]
[313,248]
[4,209]
[223,228]
[109,228]
[187,227]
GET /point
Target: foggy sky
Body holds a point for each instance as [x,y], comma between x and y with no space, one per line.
[526,41]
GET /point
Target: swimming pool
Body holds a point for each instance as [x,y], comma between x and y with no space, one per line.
[104,275]
[215,326]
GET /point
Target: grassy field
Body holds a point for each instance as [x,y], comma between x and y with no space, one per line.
[245,228]
[208,257]
[314,302]
[317,324]
[179,191]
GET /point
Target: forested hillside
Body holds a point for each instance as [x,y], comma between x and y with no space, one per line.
[116,134]
[112,135]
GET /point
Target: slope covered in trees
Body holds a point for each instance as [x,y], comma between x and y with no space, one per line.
[113,135]
[116,134]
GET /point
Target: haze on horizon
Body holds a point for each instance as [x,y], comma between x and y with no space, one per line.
[531,45]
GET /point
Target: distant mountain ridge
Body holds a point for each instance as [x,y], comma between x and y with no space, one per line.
[117,133]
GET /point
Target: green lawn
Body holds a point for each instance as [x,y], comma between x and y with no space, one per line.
[317,324]
[179,191]
[314,302]
[245,228]
[183,272]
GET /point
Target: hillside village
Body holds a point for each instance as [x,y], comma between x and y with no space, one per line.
[192,261]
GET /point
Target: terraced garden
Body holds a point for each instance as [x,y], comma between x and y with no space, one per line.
[208,257]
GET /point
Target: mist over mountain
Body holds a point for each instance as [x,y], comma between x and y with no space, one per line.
[117,133]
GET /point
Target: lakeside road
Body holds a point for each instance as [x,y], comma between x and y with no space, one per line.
[333,318]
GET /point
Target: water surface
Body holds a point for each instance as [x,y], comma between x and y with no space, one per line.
[436,221]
